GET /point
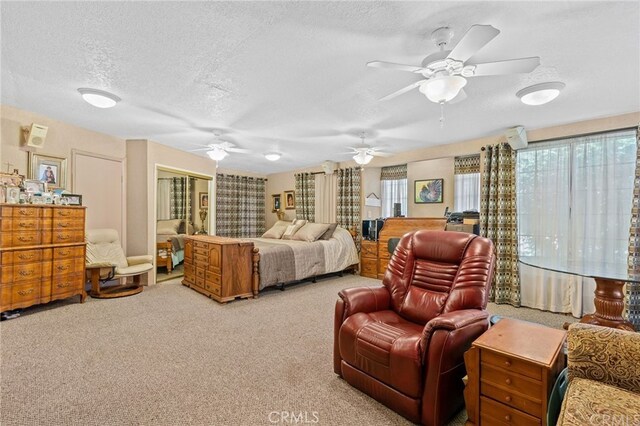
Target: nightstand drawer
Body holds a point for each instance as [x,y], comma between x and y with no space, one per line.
[529,405]
[369,267]
[512,364]
[494,413]
[369,249]
[512,382]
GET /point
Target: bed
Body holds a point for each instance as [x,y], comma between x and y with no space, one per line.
[284,261]
[170,243]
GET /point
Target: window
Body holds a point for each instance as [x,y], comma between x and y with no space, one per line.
[393,189]
[574,197]
[466,183]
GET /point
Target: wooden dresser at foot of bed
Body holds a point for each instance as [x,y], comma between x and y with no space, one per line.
[221,268]
[42,254]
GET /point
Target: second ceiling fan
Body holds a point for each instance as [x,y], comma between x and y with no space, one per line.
[445,72]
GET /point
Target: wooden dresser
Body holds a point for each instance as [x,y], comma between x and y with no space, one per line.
[511,370]
[374,256]
[221,268]
[42,254]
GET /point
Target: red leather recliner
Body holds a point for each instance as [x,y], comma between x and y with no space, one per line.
[403,343]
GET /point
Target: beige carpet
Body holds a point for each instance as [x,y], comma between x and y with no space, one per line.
[170,356]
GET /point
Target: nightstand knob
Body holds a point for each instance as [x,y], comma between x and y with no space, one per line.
[507,398]
[507,417]
[508,381]
[507,363]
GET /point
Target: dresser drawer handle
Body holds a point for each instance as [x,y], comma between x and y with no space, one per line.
[24,212]
[23,256]
[63,213]
[63,237]
[63,285]
[64,252]
[26,225]
[507,398]
[25,292]
[507,363]
[508,381]
[24,273]
[507,417]
[62,267]
[25,239]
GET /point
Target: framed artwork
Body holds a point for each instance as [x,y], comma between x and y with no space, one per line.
[428,191]
[34,186]
[71,199]
[48,169]
[275,203]
[289,200]
[204,200]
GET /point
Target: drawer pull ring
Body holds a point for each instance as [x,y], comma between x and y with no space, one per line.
[508,398]
[25,292]
[508,381]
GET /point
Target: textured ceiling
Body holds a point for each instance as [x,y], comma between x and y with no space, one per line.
[291,76]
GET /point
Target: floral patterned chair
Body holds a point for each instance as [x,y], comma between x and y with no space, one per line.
[604,377]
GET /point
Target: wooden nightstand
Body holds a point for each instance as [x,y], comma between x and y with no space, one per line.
[511,370]
[369,259]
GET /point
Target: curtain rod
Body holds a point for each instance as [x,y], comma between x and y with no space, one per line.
[580,135]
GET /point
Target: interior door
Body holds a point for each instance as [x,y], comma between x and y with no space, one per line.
[100,181]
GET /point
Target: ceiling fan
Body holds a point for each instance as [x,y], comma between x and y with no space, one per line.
[445,72]
[218,151]
[365,153]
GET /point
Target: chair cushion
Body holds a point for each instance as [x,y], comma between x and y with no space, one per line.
[133,269]
[588,402]
[385,346]
[103,246]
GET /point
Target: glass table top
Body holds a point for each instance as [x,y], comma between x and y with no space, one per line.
[610,271]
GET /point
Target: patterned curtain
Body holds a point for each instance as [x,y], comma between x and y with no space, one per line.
[240,206]
[633,290]
[178,198]
[394,172]
[305,196]
[348,214]
[466,165]
[498,220]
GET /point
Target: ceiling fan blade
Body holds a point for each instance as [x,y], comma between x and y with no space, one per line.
[391,65]
[461,96]
[403,90]
[380,154]
[238,150]
[511,66]
[473,40]
[204,148]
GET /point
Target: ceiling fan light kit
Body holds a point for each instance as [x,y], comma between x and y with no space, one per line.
[443,89]
[217,154]
[272,156]
[540,94]
[363,157]
[99,98]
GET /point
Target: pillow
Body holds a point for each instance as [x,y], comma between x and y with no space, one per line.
[168,227]
[311,231]
[292,229]
[276,230]
[327,235]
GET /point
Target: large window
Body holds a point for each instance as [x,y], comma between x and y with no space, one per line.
[393,189]
[466,183]
[574,197]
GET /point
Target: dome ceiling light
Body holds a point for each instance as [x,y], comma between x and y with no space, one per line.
[99,98]
[540,94]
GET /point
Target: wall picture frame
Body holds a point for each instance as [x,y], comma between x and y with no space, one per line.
[428,191]
[71,199]
[49,169]
[203,198]
[276,202]
[289,200]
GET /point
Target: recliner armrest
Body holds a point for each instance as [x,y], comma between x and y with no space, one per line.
[138,260]
[452,321]
[364,299]
[98,265]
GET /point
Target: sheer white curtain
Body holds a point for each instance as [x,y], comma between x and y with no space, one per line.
[574,200]
[393,191]
[466,192]
[326,198]
[162,199]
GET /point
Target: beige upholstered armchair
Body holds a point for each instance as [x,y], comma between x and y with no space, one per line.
[604,377]
[106,261]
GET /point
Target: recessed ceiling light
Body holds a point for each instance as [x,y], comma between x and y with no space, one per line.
[272,156]
[99,98]
[540,94]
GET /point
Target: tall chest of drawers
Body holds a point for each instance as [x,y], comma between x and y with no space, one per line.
[511,370]
[42,254]
[221,268]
